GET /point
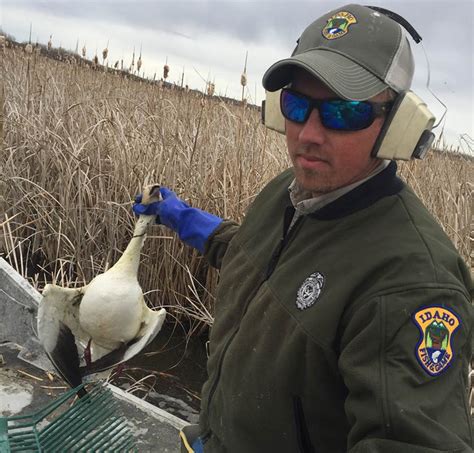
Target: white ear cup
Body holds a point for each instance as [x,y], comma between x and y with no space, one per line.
[407,129]
[271,112]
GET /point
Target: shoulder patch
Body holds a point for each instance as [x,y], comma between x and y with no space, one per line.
[436,326]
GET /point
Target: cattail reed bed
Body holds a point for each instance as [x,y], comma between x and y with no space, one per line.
[79,143]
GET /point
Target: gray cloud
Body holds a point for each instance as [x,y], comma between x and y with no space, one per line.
[247,21]
[446,24]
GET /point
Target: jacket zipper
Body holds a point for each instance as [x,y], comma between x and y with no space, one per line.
[289,212]
[304,440]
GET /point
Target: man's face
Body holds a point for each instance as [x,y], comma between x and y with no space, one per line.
[325,159]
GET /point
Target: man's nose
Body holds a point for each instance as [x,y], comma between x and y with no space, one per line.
[313,131]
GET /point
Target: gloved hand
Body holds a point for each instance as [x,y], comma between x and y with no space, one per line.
[193,225]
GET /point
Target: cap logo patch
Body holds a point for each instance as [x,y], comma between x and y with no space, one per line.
[338,25]
[436,326]
[309,291]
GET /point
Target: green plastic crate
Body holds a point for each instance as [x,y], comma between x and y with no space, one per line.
[93,423]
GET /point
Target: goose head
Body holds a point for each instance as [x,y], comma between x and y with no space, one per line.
[151,194]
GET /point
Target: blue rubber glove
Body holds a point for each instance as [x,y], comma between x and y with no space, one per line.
[193,225]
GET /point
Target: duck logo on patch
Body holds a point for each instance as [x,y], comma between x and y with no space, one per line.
[338,25]
[436,326]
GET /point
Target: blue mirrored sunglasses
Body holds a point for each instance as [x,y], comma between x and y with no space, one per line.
[338,114]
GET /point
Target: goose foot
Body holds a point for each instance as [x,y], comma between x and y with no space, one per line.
[119,369]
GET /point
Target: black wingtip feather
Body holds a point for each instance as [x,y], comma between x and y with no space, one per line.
[65,358]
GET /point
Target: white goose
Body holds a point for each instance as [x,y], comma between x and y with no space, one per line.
[96,327]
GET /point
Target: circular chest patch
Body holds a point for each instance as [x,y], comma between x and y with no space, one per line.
[309,291]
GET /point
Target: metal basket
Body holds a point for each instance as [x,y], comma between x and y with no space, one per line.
[93,423]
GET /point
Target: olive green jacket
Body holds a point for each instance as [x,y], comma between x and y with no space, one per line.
[322,333]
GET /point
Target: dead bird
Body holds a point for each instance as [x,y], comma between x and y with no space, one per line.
[107,322]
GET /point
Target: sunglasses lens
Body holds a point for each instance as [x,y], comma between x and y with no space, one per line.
[346,115]
[294,107]
[336,114]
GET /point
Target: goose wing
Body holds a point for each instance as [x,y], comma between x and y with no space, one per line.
[59,330]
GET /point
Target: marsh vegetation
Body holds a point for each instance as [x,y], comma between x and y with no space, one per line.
[79,143]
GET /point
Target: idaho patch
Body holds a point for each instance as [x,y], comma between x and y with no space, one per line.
[436,325]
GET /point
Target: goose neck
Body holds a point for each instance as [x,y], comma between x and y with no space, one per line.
[130,258]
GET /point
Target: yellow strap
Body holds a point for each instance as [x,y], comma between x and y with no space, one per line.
[185,442]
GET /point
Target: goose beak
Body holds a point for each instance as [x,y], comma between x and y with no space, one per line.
[151,194]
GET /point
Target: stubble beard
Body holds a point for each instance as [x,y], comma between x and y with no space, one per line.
[313,181]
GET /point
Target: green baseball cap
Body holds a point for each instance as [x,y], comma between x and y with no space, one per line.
[357,51]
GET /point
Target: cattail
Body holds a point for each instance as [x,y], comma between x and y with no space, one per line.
[243,77]
[133,61]
[3,42]
[84,51]
[50,42]
[139,63]
[210,88]
[29,48]
[116,64]
[95,61]
[166,70]
[105,53]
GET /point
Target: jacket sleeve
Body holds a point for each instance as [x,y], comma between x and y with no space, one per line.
[404,358]
[216,245]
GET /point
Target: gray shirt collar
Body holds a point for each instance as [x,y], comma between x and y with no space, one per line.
[304,203]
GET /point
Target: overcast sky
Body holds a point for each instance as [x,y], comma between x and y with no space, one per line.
[209,40]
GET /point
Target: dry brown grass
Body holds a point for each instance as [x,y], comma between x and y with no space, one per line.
[80,143]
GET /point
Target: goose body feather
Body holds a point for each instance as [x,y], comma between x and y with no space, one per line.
[118,316]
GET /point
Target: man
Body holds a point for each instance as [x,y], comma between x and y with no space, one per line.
[343,315]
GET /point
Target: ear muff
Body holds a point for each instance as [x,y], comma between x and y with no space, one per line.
[271,112]
[406,132]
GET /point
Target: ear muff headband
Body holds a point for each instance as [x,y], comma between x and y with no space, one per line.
[399,19]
